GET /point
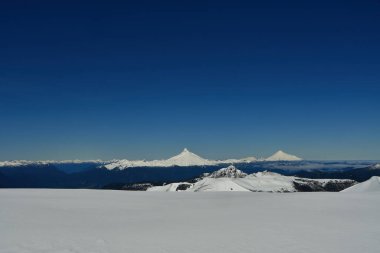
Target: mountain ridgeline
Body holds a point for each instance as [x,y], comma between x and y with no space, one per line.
[185,167]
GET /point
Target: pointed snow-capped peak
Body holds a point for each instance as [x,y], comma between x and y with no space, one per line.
[282,156]
[187,158]
[185,151]
[231,172]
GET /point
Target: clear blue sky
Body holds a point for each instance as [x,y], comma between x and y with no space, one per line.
[86,79]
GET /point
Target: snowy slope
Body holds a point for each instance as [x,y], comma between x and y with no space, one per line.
[371,185]
[282,156]
[167,188]
[83,221]
[187,158]
[232,179]
[217,185]
[258,182]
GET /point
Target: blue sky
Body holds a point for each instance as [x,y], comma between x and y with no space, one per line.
[225,79]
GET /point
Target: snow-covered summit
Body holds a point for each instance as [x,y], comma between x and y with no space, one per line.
[185,158]
[371,185]
[230,172]
[282,156]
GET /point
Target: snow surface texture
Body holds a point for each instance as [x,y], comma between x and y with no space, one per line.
[371,185]
[82,221]
[232,179]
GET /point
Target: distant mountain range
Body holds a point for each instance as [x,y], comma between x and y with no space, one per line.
[121,174]
[184,159]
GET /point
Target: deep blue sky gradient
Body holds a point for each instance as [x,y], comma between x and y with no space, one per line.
[117,79]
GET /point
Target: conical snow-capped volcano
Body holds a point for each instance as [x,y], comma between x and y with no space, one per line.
[282,156]
[187,158]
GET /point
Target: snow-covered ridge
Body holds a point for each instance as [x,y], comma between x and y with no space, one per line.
[232,179]
[17,163]
[371,185]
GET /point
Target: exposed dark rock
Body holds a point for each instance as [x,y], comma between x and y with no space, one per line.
[183,187]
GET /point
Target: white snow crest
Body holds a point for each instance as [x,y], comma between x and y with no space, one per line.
[282,156]
[371,185]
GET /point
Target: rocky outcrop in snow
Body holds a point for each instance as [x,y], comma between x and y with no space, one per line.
[230,172]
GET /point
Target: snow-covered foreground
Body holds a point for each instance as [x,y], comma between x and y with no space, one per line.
[118,221]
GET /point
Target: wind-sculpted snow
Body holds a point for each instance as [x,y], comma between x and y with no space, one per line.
[232,179]
[83,221]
